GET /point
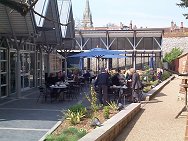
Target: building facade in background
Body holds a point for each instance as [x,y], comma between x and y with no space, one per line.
[28,45]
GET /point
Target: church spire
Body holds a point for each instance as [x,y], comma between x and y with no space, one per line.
[87,17]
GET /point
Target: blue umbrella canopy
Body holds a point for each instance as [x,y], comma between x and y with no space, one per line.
[114,56]
[97,53]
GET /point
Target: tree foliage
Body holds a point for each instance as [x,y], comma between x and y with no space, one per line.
[183,4]
[175,52]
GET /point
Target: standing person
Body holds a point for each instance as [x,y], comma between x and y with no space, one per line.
[102,81]
[116,77]
[136,86]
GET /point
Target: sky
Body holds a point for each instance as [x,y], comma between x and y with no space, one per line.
[143,13]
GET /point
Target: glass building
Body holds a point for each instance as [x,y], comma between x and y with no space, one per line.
[29,44]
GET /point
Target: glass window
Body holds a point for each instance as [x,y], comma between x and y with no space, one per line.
[3,90]
[3,54]
[12,72]
[3,79]
[32,69]
[3,66]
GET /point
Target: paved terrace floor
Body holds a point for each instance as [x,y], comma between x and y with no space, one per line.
[25,120]
[156,121]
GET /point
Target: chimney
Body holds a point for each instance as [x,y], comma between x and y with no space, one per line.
[131,25]
[181,24]
[181,27]
[172,26]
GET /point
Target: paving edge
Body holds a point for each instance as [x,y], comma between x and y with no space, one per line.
[50,131]
[158,88]
[186,130]
[113,126]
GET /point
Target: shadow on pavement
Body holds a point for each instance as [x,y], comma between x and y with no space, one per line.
[125,132]
[160,94]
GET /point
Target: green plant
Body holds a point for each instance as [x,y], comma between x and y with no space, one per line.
[106,112]
[74,117]
[70,134]
[93,100]
[165,75]
[175,52]
[78,108]
[147,89]
[154,83]
[113,105]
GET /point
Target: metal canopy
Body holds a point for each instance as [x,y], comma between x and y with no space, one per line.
[52,33]
[119,33]
[11,22]
[92,34]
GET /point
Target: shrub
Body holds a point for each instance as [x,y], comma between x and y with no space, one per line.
[75,113]
[113,105]
[165,75]
[106,112]
[78,108]
[154,83]
[70,134]
[175,52]
[93,100]
[74,117]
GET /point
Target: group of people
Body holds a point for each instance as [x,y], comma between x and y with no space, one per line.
[54,77]
[130,78]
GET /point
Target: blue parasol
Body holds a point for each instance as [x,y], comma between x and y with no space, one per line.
[113,56]
[97,53]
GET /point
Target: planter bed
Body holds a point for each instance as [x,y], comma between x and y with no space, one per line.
[156,89]
[112,126]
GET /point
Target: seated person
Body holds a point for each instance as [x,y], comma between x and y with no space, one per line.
[115,78]
[60,77]
[87,76]
[51,80]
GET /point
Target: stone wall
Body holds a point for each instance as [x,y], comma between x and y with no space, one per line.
[169,43]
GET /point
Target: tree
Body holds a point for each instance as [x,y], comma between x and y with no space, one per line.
[175,52]
[183,4]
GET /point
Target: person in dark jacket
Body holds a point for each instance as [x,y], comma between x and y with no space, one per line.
[136,86]
[116,78]
[102,81]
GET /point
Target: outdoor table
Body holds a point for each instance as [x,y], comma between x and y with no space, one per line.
[185,108]
[60,87]
[120,89]
[71,81]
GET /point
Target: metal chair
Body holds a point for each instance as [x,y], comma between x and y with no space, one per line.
[42,93]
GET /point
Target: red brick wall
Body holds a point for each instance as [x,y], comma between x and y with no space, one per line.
[181,64]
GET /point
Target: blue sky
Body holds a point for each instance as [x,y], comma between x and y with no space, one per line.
[145,13]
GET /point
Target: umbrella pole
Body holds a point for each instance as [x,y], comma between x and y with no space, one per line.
[98,65]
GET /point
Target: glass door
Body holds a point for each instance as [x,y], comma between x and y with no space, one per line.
[3,72]
[25,70]
[12,72]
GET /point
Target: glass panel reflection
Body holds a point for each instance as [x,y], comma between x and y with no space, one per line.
[3,79]
[3,90]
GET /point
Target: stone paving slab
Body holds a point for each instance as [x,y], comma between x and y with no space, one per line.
[14,135]
[25,120]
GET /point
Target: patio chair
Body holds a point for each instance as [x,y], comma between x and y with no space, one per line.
[72,92]
[42,93]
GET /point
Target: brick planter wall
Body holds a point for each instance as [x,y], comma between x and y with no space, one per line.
[112,127]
